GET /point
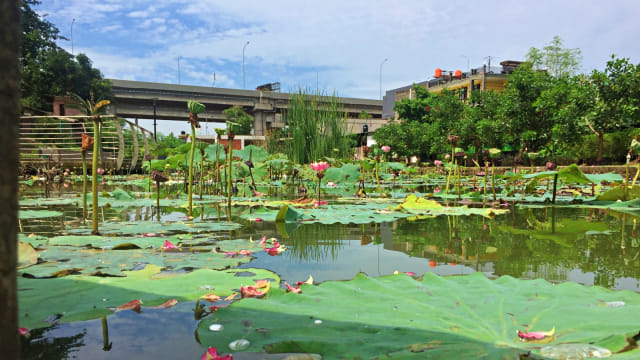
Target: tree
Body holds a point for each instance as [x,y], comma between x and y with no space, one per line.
[48,70]
[555,59]
[9,123]
[479,125]
[616,99]
[523,124]
[238,121]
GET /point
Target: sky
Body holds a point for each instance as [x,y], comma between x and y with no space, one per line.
[354,48]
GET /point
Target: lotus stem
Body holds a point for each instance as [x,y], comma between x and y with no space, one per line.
[493,181]
[626,179]
[319,181]
[84,185]
[190,185]
[158,198]
[94,177]
[106,346]
[636,177]
[201,174]
[446,191]
[555,186]
[378,177]
[229,174]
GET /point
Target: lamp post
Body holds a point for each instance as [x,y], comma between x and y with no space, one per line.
[468,68]
[179,69]
[243,49]
[382,63]
[72,22]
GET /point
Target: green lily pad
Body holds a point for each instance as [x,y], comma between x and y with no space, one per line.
[463,317]
[38,214]
[67,255]
[141,227]
[79,297]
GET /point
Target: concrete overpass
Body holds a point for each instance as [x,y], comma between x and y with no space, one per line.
[148,100]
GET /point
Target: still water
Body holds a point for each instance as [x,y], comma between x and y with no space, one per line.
[588,246]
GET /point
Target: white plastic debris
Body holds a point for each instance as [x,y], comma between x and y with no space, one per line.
[318,322]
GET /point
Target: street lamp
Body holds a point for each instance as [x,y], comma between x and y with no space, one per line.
[72,21]
[243,48]
[468,68]
[179,69]
[382,63]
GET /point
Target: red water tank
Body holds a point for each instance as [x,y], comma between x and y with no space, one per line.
[438,72]
[458,73]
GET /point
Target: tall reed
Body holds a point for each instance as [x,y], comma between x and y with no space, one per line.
[315,127]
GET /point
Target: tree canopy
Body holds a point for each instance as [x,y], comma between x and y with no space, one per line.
[48,70]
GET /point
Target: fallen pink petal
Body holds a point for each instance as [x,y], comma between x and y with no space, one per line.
[536,335]
[264,240]
[167,304]
[250,291]
[293,289]
[410,273]
[168,245]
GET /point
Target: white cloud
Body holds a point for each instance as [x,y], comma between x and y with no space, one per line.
[339,44]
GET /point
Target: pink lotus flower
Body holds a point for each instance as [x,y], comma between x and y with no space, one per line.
[212,354]
[168,245]
[244,252]
[256,219]
[331,184]
[437,162]
[293,289]
[319,166]
[100,171]
[447,157]
[385,148]
[536,335]
[264,240]
[24,332]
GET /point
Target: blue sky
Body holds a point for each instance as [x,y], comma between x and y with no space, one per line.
[333,45]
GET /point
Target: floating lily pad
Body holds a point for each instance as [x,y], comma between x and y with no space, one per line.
[79,297]
[38,214]
[465,317]
[141,227]
[124,254]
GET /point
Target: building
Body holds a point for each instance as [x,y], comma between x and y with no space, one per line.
[483,79]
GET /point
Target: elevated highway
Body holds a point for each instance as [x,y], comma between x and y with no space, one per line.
[148,100]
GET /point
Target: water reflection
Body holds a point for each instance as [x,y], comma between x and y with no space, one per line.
[590,246]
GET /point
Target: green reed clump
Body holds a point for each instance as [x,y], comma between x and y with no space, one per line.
[316,127]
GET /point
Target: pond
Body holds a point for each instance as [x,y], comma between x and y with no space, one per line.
[590,246]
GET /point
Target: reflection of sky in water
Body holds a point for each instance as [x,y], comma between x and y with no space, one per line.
[152,334]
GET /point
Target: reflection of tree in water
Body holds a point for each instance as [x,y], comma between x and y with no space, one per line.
[531,243]
[43,346]
[317,241]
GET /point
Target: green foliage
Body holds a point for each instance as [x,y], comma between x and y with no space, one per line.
[49,70]
[195,107]
[456,317]
[555,59]
[316,128]
[238,121]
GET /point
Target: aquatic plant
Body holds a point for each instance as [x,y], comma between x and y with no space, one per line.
[195,108]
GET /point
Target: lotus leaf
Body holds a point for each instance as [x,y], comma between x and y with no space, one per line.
[141,227]
[466,317]
[348,173]
[258,154]
[38,214]
[80,297]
